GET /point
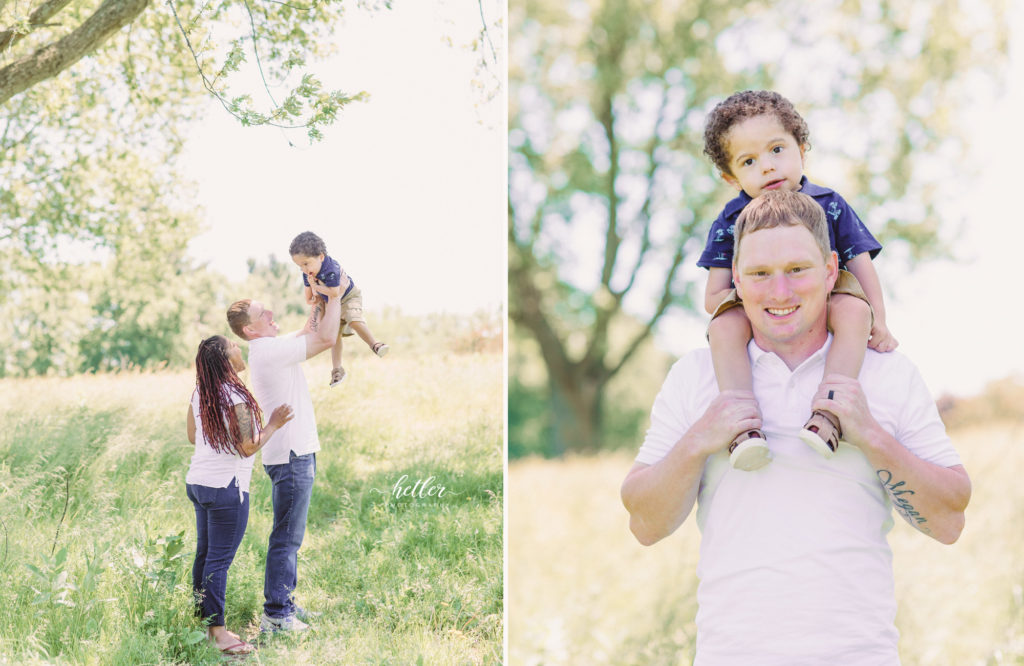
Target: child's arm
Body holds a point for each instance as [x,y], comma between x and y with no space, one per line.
[311,298]
[862,268]
[719,284]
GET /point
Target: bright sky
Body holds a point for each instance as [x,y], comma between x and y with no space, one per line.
[957,319]
[407,189]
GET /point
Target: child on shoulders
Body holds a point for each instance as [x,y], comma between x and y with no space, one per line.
[757,140]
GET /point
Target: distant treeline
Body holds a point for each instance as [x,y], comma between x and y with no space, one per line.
[102,318]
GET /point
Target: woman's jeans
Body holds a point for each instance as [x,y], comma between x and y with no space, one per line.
[293,486]
[220,524]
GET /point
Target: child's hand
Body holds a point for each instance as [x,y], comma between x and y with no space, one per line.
[881,339]
[321,288]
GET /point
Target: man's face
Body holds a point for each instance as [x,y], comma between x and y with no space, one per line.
[309,265]
[763,156]
[784,282]
[261,322]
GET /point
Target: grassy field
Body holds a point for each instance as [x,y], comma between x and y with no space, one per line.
[97,536]
[582,591]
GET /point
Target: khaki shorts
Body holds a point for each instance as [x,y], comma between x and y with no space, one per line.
[846,283]
[351,311]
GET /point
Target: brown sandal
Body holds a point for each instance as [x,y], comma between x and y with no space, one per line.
[749,451]
[822,433]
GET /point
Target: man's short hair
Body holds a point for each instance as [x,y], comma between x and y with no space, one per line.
[238,317]
[307,244]
[781,208]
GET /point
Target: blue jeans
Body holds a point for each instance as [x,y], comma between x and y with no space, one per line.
[293,487]
[220,525]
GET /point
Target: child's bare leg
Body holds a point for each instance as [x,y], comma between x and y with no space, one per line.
[337,372]
[850,320]
[336,354]
[363,331]
[728,335]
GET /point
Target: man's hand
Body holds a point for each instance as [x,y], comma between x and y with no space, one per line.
[881,339]
[929,497]
[729,414]
[849,403]
[659,497]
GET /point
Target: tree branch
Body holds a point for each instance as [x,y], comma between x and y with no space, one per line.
[50,60]
[530,314]
[666,300]
[39,17]
[645,209]
[612,239]
[486,32]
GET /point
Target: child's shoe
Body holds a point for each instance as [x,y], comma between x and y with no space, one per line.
[338,376]
[380,349]
[822,433]
[749,451]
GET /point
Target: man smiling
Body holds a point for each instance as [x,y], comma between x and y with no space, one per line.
[794,565]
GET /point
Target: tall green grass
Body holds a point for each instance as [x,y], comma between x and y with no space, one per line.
[97,536]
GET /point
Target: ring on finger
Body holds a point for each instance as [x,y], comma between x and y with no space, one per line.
[831,394]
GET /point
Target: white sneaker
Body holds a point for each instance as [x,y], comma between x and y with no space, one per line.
[380,349]
[290,623]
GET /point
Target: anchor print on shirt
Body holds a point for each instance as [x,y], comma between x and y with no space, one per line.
[834,210]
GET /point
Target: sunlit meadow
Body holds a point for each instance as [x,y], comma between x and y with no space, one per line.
[97,536]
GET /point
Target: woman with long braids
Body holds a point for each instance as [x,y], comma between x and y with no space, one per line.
[225,425]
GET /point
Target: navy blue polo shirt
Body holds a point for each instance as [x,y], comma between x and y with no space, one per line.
[330,275]
[846,233]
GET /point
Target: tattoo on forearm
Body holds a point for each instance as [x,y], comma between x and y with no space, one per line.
[244,417]
[899,494]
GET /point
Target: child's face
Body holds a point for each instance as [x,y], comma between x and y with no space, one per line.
[309,265]
[763,156]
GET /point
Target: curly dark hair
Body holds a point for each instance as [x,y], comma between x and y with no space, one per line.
[214,378]
[307,244]
[743,105]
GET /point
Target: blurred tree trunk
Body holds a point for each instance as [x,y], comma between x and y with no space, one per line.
[576,408]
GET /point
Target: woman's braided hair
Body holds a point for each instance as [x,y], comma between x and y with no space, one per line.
[215,378]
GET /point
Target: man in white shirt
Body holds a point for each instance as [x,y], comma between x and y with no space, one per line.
[289,459]
[795,568]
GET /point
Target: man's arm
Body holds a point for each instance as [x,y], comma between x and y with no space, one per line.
[659,497]
[327,330]
[930,497]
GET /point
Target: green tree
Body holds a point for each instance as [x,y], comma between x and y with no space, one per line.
[98,98]
[610,196]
